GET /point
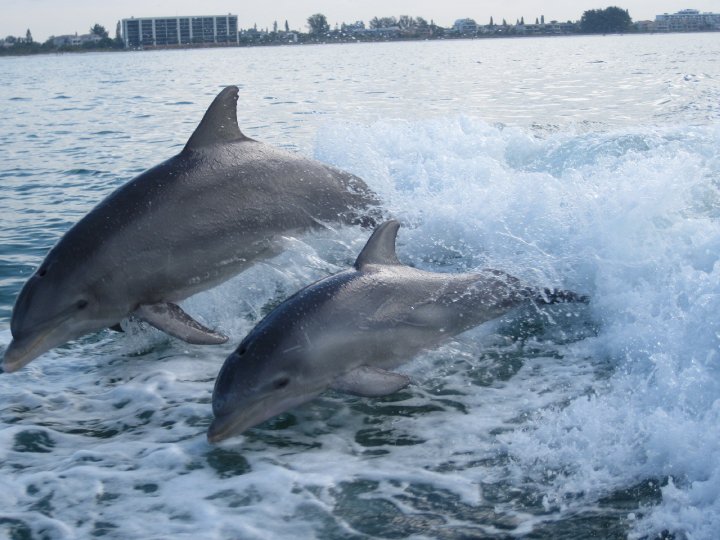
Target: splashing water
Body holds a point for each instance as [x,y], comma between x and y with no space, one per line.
[572,420]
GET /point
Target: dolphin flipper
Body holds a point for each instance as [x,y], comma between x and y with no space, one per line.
[370,382]
[171,319]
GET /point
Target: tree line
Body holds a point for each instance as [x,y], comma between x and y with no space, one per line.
[99,40]
[612,20]
[595,21]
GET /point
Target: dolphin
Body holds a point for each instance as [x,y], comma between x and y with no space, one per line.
[347,331]
[179,228]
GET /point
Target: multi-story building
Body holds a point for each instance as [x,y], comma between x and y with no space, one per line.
[73,40]
[168,31]
[465,27]
[687,20]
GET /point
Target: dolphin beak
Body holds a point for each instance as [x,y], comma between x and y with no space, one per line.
[18,355]
[224,427]
[21,352]
[234,423]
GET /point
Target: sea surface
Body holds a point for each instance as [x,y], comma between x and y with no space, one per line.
[590,163]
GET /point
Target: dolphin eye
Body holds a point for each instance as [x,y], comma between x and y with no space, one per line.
[242,350]
[42,272]
[279,384]
[81,304]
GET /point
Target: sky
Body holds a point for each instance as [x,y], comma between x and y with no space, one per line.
[56,17]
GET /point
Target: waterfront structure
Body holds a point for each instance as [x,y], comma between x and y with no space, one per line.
[687,20]
[555,27]
[357,26]
[644,26]
[465,27]
[174,31]
[73,40]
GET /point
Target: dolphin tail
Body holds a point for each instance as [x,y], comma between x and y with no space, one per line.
[560,296]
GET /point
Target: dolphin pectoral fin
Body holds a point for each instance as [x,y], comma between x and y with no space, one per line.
[171,319]
[370,382]
[116,328]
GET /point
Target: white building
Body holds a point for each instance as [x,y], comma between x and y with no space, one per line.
[687,20]
[73,40]
[164,31]
[465,26]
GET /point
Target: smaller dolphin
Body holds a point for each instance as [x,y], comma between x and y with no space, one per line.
[346,331]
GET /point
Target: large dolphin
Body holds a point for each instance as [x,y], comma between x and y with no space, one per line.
[179,228]
[346,331]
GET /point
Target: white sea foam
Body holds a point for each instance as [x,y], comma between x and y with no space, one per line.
[514,426]
[629,217]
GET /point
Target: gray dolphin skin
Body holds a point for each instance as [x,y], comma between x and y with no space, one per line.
[181,227]
[346,331]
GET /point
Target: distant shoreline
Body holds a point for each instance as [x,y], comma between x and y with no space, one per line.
[80,50]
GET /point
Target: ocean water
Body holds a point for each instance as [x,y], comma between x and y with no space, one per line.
[591,163]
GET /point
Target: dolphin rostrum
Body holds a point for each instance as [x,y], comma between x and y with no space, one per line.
[346,331]
[181,227]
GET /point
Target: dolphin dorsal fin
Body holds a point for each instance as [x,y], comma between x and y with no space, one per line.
[380,249]
[219,123]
